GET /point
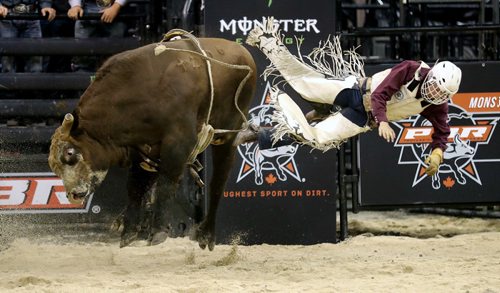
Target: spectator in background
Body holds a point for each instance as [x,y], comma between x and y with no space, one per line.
[23,29]
[59,28]
[105,27]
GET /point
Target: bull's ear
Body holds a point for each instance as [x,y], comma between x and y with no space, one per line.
[66,125]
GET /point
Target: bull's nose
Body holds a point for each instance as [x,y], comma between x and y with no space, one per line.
[80,194]
[77,197]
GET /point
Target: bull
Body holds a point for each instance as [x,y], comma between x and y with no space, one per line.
[150,113]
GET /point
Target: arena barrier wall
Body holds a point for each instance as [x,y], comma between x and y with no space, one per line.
[285,195]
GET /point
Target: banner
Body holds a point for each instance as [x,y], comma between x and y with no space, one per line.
[27,186]
[283,195]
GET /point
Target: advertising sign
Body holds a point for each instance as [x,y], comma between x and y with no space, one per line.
[394,174]
[283,195]
[35,193]
[28,187]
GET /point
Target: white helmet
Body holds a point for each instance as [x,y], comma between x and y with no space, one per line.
[441,83]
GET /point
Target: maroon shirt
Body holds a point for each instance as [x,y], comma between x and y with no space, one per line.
[398,76]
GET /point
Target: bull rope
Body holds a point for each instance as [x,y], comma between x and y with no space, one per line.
[179,32]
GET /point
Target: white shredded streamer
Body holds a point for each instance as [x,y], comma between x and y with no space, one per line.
[328,58]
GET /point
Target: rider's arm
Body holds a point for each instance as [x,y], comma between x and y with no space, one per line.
[438,117]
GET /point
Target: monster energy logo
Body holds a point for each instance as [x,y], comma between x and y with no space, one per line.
[269,3]
[245,25]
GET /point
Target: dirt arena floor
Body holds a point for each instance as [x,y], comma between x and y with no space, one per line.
[431,253]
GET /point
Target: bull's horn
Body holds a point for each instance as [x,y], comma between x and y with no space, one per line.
[67,124]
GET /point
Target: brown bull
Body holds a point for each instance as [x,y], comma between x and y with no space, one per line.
[146,107]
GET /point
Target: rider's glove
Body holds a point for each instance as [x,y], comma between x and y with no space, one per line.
[433,161]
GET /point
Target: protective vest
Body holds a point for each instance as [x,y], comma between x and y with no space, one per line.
[403,103]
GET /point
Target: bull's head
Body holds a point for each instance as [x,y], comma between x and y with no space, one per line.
[71,163]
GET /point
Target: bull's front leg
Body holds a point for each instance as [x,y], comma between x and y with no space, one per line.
[169,215]
[140,184]
[170,219]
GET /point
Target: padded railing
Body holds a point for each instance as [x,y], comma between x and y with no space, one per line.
[67,46]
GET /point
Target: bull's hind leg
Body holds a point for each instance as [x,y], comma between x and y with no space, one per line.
[140,184]
[223,159]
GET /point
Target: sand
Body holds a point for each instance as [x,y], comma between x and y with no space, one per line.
[421,261]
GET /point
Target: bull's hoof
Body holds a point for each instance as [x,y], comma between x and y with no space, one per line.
[204,238]
[158,238]
[128,238]
[118,224]
[175,219]
[203,243]
[144,234]
[132,234]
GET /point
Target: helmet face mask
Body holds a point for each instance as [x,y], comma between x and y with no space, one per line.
[432,93]
[441,83]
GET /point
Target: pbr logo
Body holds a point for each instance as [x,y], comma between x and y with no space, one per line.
[22,193]
[268,165]
[467,135]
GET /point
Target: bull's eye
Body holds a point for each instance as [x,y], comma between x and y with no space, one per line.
[69,156]
[70,152]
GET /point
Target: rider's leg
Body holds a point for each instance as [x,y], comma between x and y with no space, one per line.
[351,102]
[346,98]
[350,121]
